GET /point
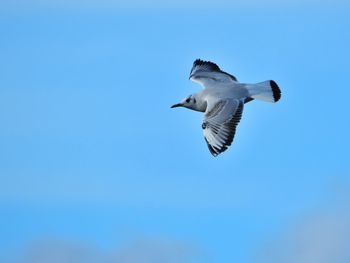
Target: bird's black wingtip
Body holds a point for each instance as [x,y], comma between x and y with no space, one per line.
[209,64]
[276,91]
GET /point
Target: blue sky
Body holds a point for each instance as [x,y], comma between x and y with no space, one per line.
[92,155]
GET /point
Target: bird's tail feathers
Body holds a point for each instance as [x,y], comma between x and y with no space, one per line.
[266,91]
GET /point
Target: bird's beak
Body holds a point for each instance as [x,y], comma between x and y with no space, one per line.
[177,105]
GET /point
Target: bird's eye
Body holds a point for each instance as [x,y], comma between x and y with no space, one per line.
[188,100]
[194,100]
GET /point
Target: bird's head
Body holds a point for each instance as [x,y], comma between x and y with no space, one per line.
[189,102]
[192,102]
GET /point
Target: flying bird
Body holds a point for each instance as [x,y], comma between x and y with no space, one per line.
[222,101]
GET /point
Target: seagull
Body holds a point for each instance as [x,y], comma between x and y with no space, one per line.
[222,101]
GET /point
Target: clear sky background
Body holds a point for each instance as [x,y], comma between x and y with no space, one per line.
[96,167]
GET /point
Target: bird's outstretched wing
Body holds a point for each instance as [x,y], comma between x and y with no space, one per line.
[208,74]
[220,122]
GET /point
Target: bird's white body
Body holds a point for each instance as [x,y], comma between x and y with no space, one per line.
[235,91]
[222,100]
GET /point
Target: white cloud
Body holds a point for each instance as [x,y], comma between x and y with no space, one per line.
[323,236]
[142,251]
[171,4]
